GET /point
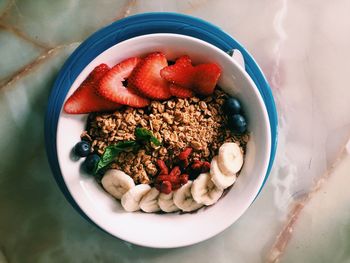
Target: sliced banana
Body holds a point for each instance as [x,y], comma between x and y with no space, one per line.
[149,202]
[131,199]
[219,178]
[117,183]
[183,198]
[166,202]
[204,191]
[230,158]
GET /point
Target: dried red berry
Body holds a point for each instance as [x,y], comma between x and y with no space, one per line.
[162,166]
[175,171]
[185,154]
[183,179]
[205,167]
[165,187]
[197,165]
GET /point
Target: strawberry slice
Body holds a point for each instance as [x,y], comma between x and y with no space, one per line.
[85,99]
[181,73]
[99,72]
[111,85]
[205,78]
[180,92]
[146,77]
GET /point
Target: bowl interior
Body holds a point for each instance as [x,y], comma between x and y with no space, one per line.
[170,230]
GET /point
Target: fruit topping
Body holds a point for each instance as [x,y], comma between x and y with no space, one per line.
[117,183]
[221,179]
[183,179]
[111,86]
[165,187]
[185,154]
[183,198]
[197,165]
[90,163]
[230,158]
[181,73]
[232,106]
[205,78]
[82,149]
[162,166]
[204,191]
[166,203]
[180,92]
[175,171]
[170,182]
[149,202]
[201,78]
[237,123]
[132,198]
[205,167]
[85,99]
[146,78]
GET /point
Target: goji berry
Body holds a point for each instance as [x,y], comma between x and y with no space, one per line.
[185,154]
[165,187]
[197,165]
[175,171]
[183,179]
[162,166]
[205,167]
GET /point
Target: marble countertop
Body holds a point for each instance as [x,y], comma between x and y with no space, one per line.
[302,214]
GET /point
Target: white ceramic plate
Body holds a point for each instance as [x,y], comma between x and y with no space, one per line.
[170,230]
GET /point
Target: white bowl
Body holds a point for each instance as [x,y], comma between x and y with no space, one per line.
[170,230]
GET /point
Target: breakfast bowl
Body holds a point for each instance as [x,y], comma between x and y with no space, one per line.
[165,230]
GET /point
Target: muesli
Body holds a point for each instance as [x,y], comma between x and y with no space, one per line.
[160,136]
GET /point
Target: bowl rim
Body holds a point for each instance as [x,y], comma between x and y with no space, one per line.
[184,242]
[152,22]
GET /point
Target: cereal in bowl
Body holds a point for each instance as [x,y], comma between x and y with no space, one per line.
[160,137]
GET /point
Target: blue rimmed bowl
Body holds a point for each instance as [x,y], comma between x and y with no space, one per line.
[85,194]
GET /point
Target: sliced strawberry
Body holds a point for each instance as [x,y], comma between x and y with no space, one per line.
[181,73]
[111,85]
[180,92]
[146,77]
[99,72]
[205,78]
[85,99]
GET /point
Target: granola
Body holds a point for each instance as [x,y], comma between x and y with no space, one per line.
[177,123]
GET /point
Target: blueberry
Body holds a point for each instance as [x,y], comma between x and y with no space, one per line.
[237,123]
[232,106]
[82,149]
[90,163]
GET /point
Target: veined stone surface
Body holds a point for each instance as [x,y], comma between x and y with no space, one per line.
[303,49]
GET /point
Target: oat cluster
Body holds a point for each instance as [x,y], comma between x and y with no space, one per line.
[177,123]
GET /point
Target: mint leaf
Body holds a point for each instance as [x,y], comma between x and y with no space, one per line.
[112,151]
[145,135]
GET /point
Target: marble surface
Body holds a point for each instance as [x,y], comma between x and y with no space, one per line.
[302,214]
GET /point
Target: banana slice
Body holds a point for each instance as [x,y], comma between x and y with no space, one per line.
[117,183]
[204,191]
[149,202]
[131,199]
[183,198]
[230,158]
[220,179]
[166,203]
